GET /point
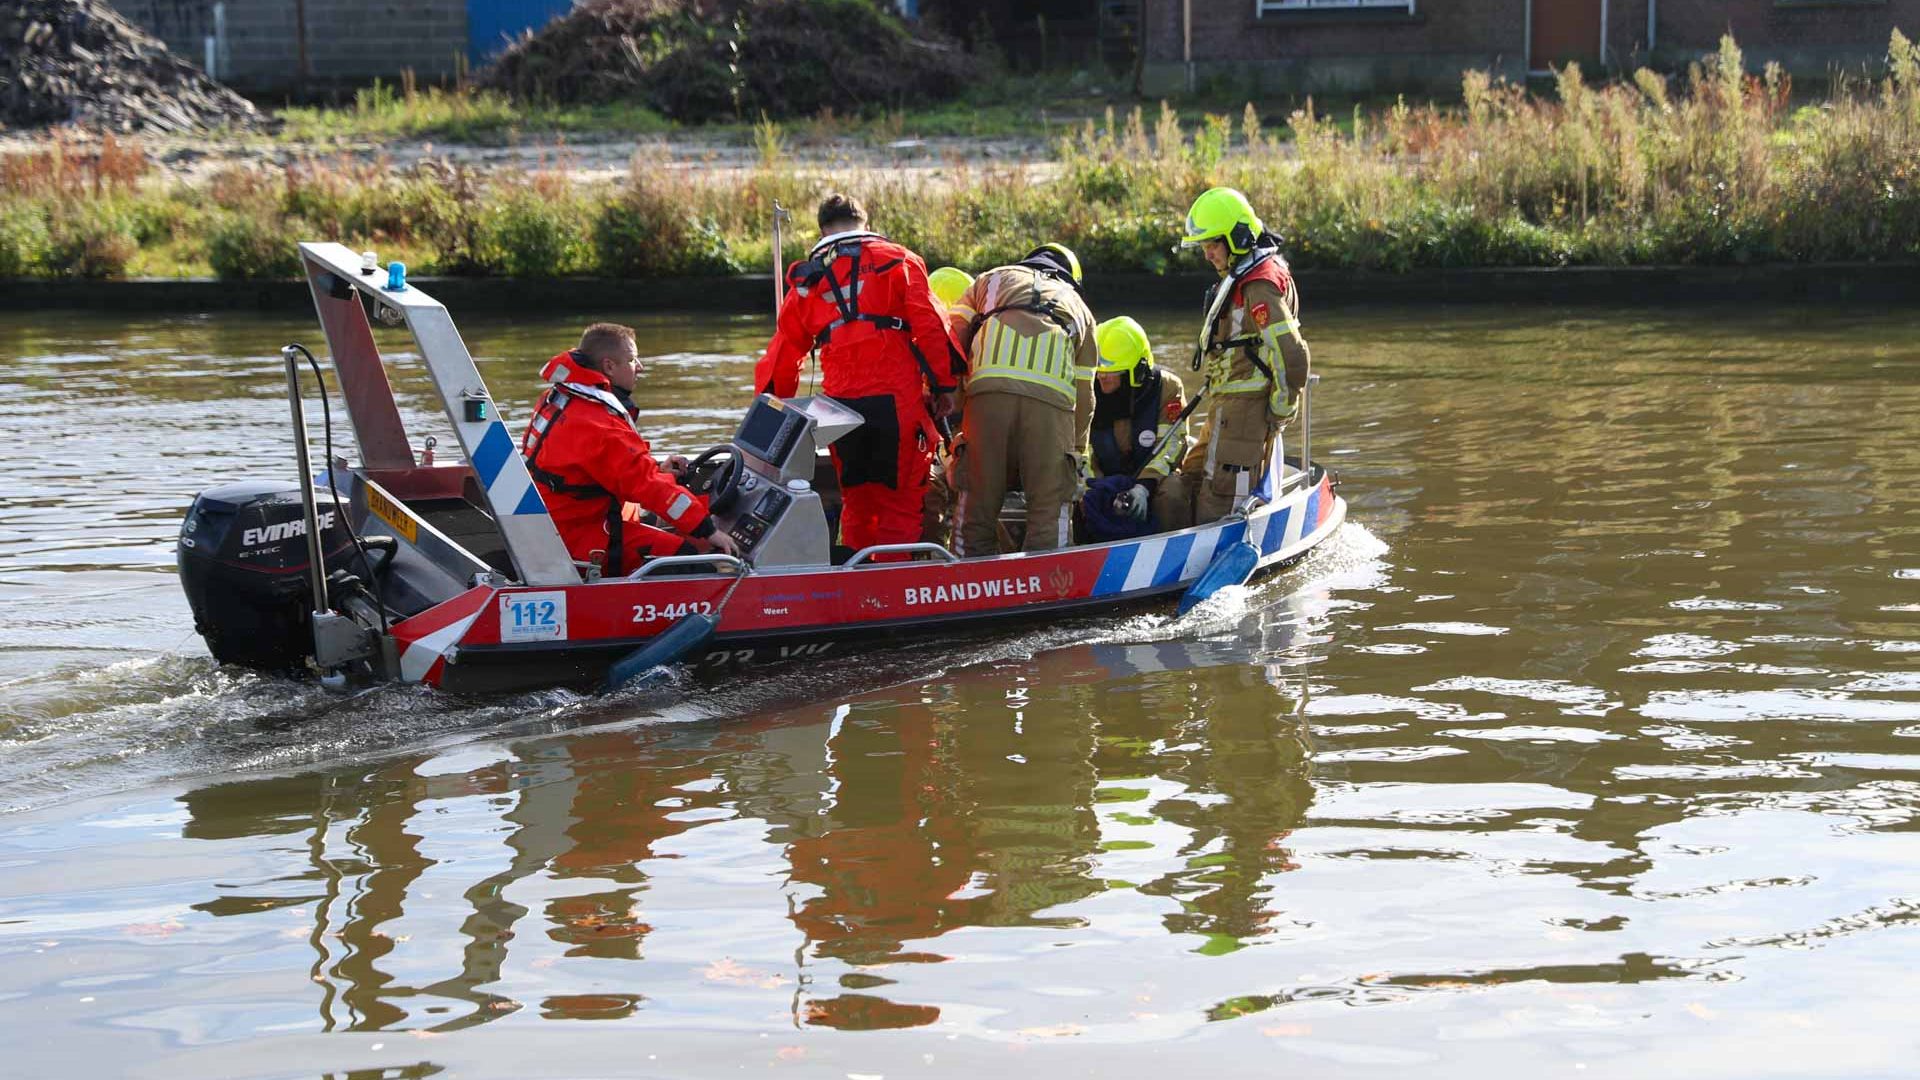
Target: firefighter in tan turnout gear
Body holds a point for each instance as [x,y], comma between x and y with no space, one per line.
[1029,334]
[1250,348]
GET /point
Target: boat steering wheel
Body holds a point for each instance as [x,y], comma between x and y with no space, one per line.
[718,480]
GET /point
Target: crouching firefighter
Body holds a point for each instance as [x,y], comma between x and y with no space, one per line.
[862,301]
[595,472]
[1138,436]
[1250,347]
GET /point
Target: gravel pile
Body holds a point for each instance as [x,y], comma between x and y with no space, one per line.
[701,60]
[80,62]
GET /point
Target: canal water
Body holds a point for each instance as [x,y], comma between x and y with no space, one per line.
[1590,745]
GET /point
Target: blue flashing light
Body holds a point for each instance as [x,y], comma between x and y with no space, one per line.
[396,277]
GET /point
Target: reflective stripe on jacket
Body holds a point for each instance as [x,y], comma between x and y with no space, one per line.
[1026,333]
[587,460]
[863,302]
[1258,348]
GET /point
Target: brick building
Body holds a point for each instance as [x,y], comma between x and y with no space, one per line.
[1424,45]
[302,46]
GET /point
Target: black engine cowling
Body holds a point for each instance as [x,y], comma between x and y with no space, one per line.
[243,563]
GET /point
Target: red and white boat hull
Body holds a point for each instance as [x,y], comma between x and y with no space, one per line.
[493,638]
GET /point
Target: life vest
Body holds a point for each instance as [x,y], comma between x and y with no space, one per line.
[1144,416]
[1263,263]
[816,273]
[547,415]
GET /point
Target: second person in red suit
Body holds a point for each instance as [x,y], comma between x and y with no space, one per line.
[863,303]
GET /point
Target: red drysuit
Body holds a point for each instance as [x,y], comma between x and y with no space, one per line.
[863,301]
[590,463]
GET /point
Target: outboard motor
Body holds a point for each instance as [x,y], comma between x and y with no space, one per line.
[243,563]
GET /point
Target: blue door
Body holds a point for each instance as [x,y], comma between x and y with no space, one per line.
[491,24]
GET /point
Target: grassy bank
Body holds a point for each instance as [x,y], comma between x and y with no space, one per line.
[459,114]
[1711,168]
[464,113]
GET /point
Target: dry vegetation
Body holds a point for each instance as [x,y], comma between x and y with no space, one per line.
[1713,167]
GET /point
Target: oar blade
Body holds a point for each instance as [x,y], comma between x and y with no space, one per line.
[669,648]
[1232,565]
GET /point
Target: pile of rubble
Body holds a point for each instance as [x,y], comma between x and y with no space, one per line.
[80,62]
[699,60]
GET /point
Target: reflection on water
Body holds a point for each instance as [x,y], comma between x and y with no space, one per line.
[1588,742]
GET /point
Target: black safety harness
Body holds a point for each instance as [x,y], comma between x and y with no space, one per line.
[1047,308]
[819,267]
[1264,249]
[558,398]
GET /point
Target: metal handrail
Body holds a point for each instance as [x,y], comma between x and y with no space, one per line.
[1305,475]
[921,548]
[721,563]
[1306,426]
[316,561]
[780,217]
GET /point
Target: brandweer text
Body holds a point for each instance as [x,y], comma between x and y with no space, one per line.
[972,590]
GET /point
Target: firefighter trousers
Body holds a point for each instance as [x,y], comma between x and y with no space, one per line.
[1033,439]
[1225,464]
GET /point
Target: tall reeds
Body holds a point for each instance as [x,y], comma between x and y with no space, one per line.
[1712,165]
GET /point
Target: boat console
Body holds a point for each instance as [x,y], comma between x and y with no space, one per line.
[759,487]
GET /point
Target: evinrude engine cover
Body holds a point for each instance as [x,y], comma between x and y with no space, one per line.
[243,564]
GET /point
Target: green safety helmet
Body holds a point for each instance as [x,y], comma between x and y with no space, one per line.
[949,283]
[1059,255]
[1123,346]
[1223,214]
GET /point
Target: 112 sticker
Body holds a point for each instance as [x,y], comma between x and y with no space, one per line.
[533,616]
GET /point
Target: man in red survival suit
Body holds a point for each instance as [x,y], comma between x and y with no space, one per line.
[596,473]
[863,302]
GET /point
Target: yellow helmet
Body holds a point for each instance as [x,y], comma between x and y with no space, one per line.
[1223,214]
[1058,254]
[949,283]
[1123,346]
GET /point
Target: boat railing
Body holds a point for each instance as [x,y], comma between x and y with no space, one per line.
[936,550]
[1305,474]
[1306,424]
[725,564]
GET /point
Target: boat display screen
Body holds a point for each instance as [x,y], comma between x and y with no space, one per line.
[769,432]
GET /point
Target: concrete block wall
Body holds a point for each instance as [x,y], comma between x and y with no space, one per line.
[1359,51]
[347,42]
[1807,37]
[1333,50]
[180,24]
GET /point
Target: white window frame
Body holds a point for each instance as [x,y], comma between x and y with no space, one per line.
[1281,7]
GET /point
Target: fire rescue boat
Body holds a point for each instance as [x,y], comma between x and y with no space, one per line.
[453,575]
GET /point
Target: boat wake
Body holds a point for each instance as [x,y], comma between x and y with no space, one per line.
[83,729]
[76,731]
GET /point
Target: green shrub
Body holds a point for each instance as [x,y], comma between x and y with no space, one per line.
[531,234]
[160,221]
[246,246]
[23,238]
[444,205]
[93,240]
[642,233]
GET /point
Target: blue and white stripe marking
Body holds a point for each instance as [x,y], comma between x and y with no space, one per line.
[506,486]
[1162,561]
